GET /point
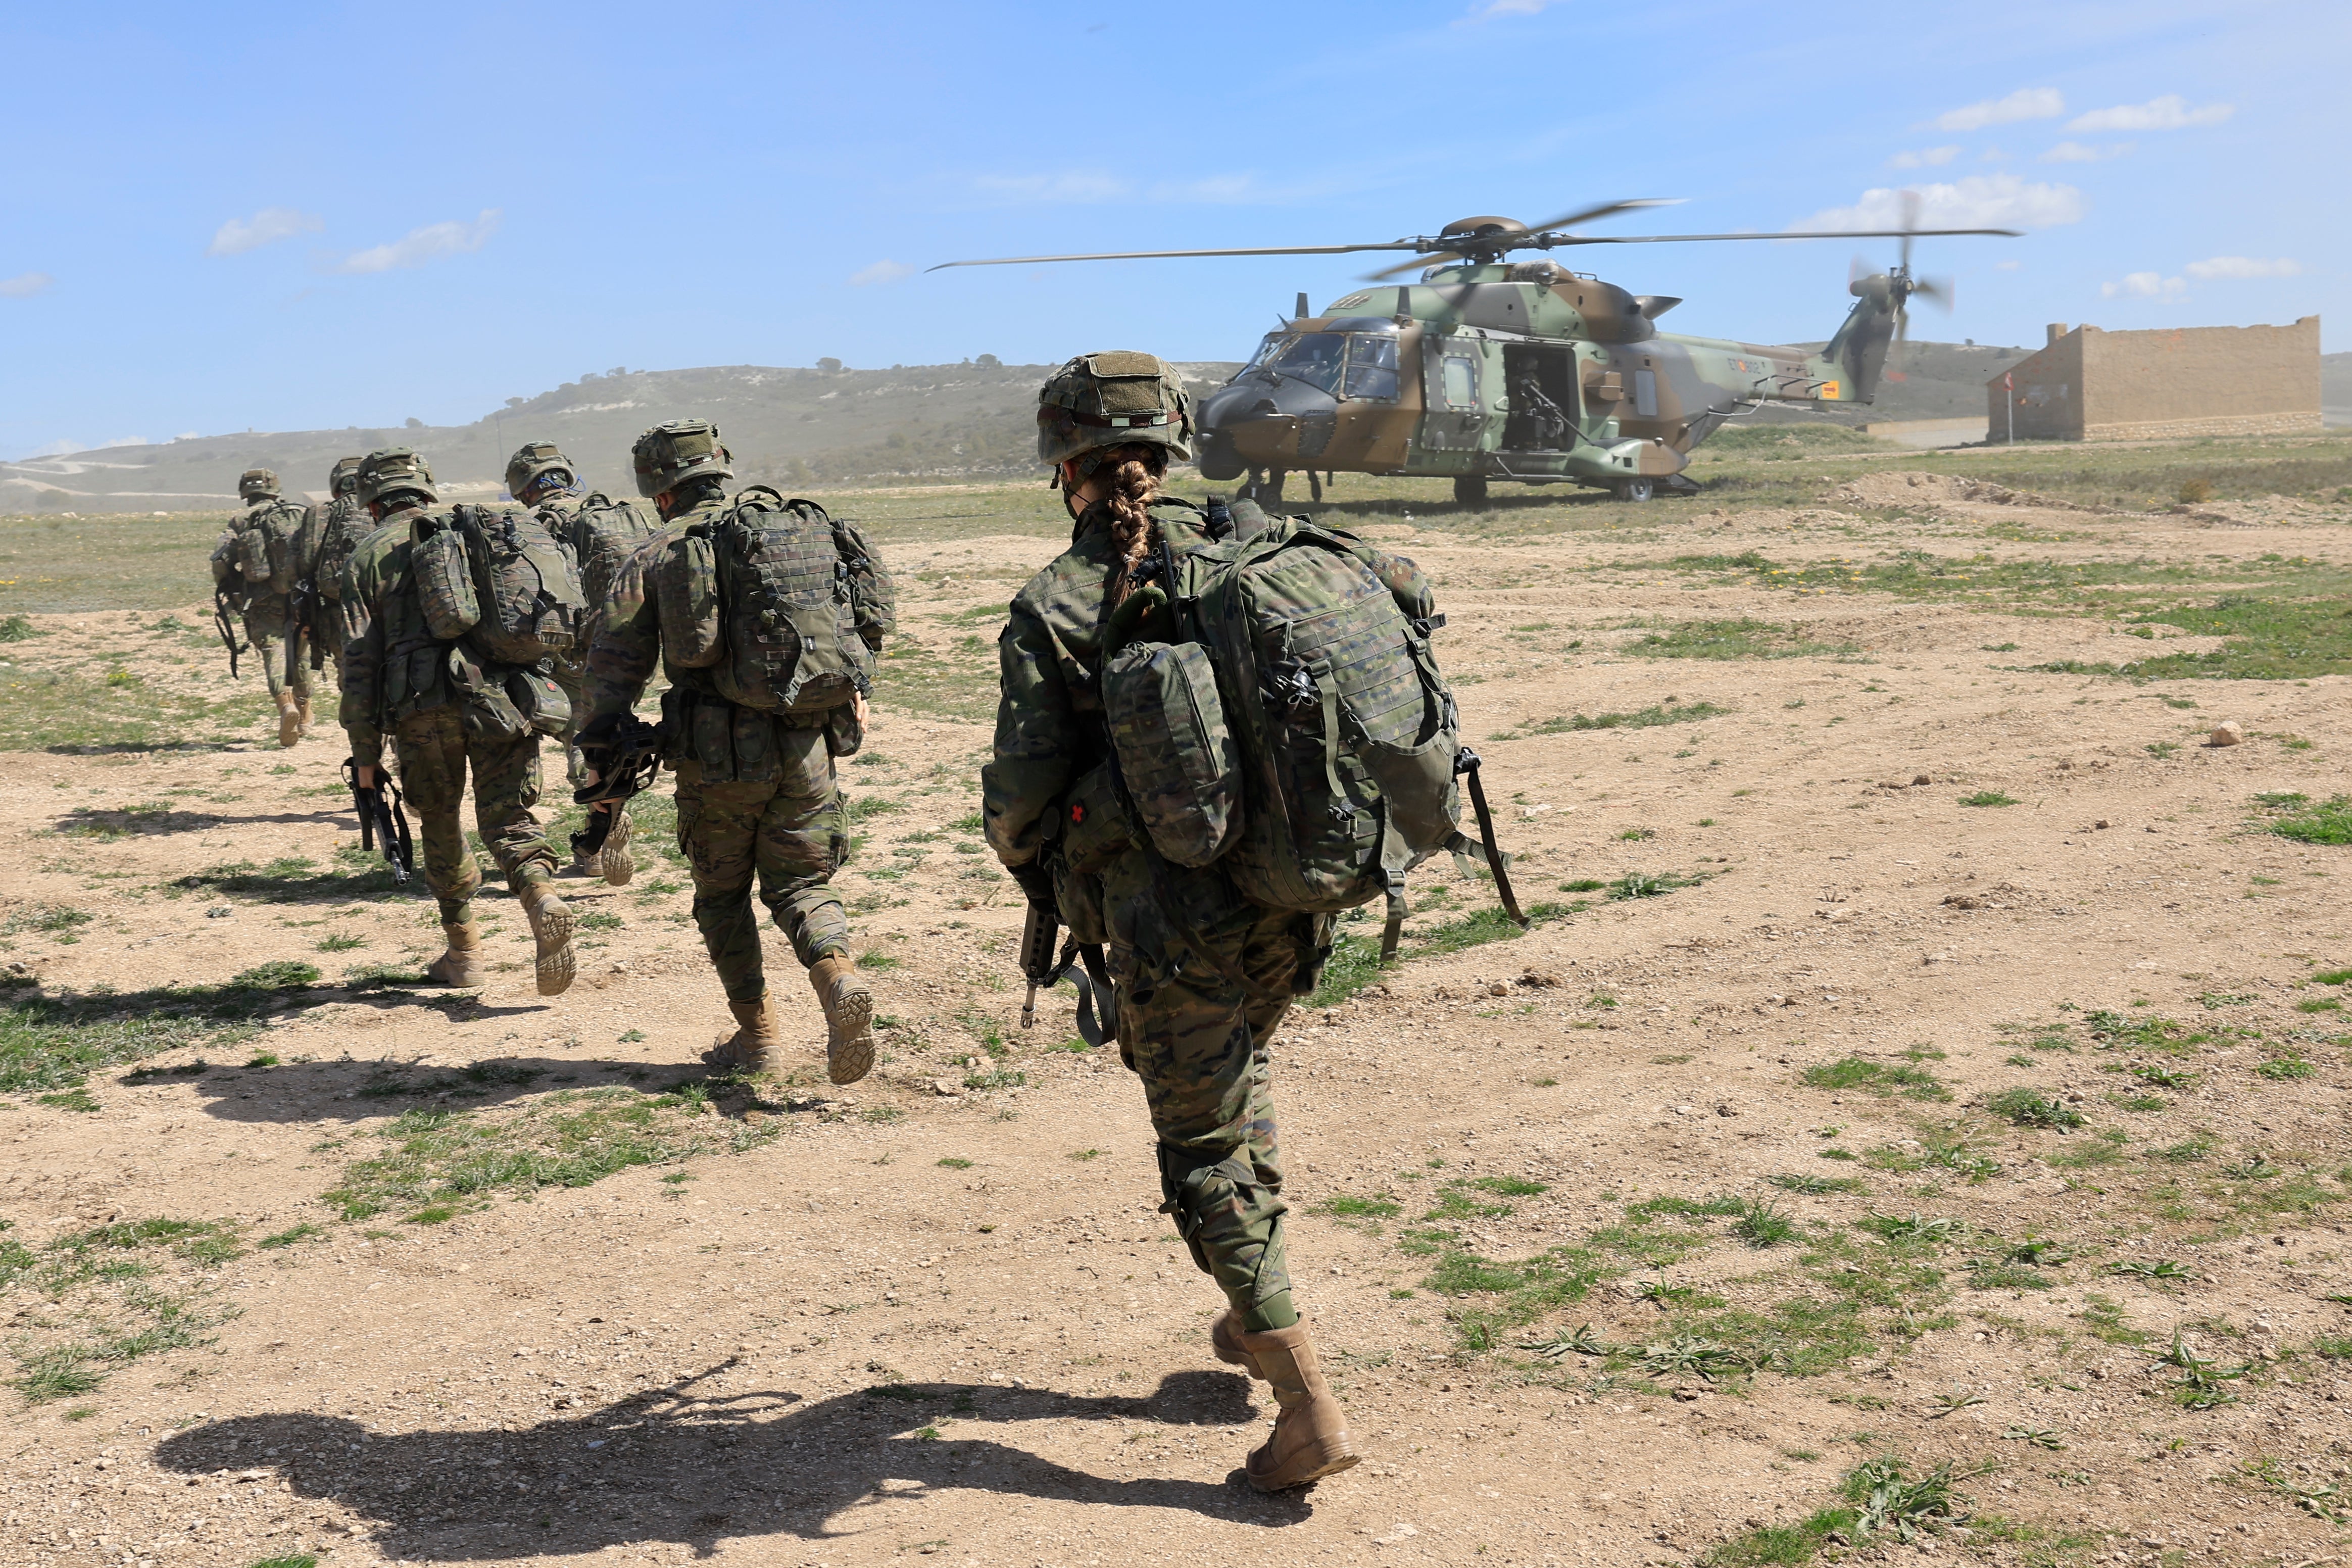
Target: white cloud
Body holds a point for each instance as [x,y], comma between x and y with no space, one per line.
[2145,286]
[2244,267]
[885,272]
[1975,201]
[266,227]
[1513,8]
[2078,152]
[420,246]
[2170,112]
[24,285]
[2006,266]
[2025,103]
[1926,158]
[1075,186]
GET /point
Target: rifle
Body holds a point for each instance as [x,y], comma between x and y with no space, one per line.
[228,630]
[382,821]
[1466,763]
[302,615]
[626,754]
[1097,1005]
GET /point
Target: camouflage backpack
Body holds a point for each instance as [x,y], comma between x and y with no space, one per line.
[268,551]
[232,589]
[528,599]
[345,523]
[1293,730]
[782,603]
[604,531]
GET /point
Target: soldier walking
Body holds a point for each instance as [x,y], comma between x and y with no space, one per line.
[599,531]
[765,615]
[265,544]
[401,681]
[331,530]
[1195,1031]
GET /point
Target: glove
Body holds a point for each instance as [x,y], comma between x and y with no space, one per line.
[1036,882]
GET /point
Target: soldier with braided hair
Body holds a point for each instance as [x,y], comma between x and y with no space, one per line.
[1195,1031]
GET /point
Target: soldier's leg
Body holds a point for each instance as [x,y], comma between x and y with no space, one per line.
[265,628]
[718,825]
[571,675]
[506,788]
[1197,1038]
[431,764]
[803,837]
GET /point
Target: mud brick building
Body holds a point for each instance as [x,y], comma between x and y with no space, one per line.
[2093,385]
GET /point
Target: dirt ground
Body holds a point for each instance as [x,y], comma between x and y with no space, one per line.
[937,1316]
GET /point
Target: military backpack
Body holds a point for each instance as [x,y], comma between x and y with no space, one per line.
[782,603]
[1292,728]
[604,531]
[344,524]
[267,551]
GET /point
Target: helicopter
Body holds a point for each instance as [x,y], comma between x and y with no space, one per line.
[1486,368]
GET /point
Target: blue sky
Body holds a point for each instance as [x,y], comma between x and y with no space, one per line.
[294,216]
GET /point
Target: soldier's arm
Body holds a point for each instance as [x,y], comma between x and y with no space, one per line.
[628,635]
[1037,738]
[363,664]
[878,595]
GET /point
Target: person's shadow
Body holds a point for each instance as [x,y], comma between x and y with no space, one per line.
[677,1465]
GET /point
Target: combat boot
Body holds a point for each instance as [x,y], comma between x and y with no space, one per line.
[1310,1432]
[462,965]
[1224,1339]
[290,720]
[747,1048]
[848,1018]
[613,862]
[550,927]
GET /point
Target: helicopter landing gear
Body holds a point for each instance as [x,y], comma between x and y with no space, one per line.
[1635,490]
[1469,489]
[1265,490]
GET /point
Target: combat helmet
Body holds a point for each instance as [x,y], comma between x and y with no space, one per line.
[1109,400]
[257,484]
[535,461]
[344,477]
[394,469]
[669,454]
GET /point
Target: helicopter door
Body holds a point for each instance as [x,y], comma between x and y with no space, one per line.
[1453,378]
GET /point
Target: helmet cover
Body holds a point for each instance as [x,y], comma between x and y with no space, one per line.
[257,484]
[1110,400]
[534,461]
[344,477]
[669,454]
[394,469]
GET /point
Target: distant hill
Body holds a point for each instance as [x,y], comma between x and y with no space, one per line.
[910,424]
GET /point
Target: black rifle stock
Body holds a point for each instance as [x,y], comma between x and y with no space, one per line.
[228,630]
[627,757]
[383,821]
[1039,927]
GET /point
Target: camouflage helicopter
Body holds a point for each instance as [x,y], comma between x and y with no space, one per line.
[1488,369]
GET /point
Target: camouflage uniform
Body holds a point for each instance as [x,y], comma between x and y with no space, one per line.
[762,802]
[396,684]
[331,531]
[269,613]
[1196,1037]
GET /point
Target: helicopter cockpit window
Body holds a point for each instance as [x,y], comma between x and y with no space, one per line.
[1372,366]
[1315,358]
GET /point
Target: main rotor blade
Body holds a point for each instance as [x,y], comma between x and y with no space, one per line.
[1549,242]
[1154,255]
[1606,209]
[1443,258]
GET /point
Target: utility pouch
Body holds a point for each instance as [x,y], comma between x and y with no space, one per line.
[676,715]
[1181,767]
[444,577]
[487,712]
[686,597]
[754,738]
[544,705]
[1094,826]
[845,731]
[712,743]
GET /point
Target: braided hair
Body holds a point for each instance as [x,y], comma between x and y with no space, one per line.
[1136,468]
